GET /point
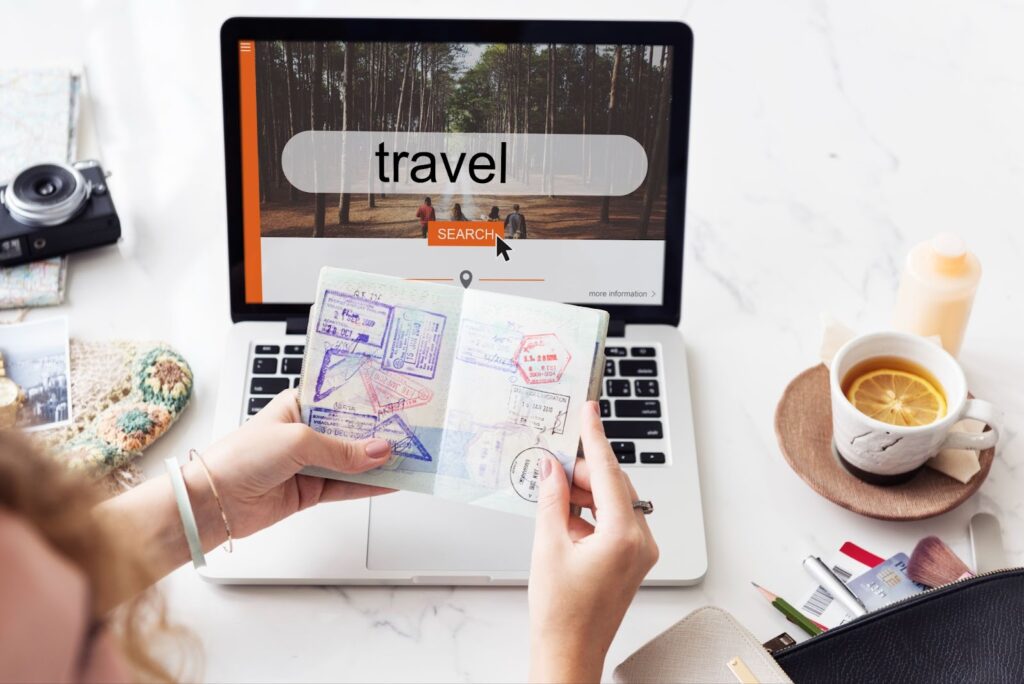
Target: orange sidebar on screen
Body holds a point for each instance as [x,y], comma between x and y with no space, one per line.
[250,173]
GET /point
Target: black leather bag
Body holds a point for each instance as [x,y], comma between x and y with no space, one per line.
[968,631]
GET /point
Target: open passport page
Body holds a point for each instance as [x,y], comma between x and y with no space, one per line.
[470,388]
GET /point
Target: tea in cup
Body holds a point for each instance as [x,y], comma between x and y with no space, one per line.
[895,399]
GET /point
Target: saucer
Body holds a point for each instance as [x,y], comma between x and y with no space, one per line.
[803,426]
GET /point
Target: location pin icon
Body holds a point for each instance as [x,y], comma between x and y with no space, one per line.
[466,277]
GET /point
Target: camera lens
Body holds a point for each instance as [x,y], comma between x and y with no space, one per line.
[46,195]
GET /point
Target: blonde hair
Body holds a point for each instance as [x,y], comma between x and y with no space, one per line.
[58,505]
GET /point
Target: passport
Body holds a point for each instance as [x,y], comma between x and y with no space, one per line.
[471,388]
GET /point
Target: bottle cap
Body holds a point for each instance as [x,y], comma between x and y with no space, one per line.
[950,251]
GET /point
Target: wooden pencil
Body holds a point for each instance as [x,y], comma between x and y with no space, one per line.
[791,613]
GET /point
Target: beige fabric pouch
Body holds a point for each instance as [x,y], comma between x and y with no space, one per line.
[698,649]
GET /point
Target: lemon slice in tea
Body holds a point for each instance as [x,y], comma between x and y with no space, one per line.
[897,397]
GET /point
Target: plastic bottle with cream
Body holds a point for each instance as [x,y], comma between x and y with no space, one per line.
[937,290]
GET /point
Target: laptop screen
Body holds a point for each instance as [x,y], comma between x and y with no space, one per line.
[531,169]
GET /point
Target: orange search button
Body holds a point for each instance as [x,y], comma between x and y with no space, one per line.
[462,233]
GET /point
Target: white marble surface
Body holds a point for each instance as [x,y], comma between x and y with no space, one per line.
[827,138]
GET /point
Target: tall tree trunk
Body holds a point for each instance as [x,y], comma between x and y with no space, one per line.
[263,122]
[316,118]
[588,107]
[329,114]
[659,164]
[649,91]
[507,75]
[412,90]
[384,88]
[292,194]
[423,89]
[513,91]
[275,174]
[632,124]
[402,90]
[612,92]
[549,120]
[347,115]
[634,90]
[431,125]
[302,85]
[370,102]
[526,115]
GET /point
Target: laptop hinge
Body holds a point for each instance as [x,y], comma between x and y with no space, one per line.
[616,328]
[297,325]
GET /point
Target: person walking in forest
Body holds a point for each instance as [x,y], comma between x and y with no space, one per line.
[425,214]
[493,215]
[515,224]
[457,214]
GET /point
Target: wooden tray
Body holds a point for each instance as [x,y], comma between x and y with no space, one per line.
[803,426]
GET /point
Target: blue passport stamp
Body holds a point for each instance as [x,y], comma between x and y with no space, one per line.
[414,343]
[354,319]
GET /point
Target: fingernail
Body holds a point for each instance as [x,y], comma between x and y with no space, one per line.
[595,408]
[377,448]
[545,467]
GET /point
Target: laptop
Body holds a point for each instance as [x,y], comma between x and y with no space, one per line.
[606,101]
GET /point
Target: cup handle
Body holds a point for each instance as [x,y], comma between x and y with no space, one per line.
[977,410]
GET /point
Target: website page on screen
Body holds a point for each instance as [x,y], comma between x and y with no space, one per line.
[530,169]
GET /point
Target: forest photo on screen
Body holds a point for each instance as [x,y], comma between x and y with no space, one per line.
[462,88]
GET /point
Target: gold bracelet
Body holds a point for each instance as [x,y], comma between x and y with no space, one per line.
[195,455]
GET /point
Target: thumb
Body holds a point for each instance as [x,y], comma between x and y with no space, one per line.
[552,503]
[342,455]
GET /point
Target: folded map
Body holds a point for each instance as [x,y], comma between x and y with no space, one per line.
[470,388]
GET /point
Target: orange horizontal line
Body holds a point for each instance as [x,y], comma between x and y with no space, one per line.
[511,280]
[431,279]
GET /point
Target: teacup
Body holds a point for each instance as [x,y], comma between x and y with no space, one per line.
[882,453]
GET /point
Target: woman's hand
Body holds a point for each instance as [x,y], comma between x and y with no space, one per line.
[583,577]
[256,467]
[256,472]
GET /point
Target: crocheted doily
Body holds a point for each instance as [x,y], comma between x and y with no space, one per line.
[124,396]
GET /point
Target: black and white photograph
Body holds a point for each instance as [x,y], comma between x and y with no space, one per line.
[36,358]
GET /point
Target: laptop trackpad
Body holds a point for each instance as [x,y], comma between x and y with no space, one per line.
[419,532]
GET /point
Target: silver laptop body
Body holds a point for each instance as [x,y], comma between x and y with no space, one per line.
[407,538]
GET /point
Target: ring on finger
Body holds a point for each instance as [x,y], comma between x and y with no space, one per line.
[645,507]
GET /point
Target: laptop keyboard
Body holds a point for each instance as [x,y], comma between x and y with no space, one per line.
[631,403]
[273,368]
[631,396]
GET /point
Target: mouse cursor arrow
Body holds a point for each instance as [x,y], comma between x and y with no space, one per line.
[501,247]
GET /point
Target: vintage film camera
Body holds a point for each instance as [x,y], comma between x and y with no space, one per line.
[51,209]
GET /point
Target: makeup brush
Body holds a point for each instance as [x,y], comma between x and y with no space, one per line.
[934,564]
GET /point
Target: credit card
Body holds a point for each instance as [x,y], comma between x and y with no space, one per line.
[885,583]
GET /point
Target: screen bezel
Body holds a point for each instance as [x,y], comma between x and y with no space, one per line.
[676,34]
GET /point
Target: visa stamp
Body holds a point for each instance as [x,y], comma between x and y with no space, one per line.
[403,441]
[538,409]
[355,319]
[337,367]
[482,456]
[542,358]
[491,345]
[341,423]
[414,342]
[390,393]
[525,472]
